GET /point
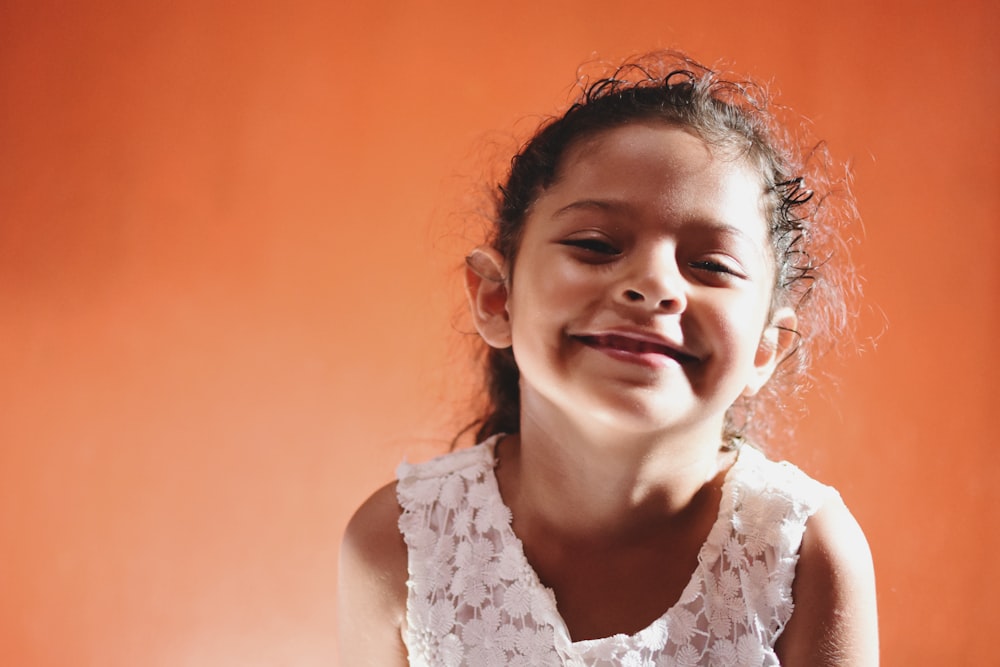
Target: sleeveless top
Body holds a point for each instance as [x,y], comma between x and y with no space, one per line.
[473,599]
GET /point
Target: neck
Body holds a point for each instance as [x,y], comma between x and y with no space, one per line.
[587,479]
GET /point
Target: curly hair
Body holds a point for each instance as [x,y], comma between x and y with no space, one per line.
[733,116]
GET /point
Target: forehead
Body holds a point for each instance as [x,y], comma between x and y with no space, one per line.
[663,166]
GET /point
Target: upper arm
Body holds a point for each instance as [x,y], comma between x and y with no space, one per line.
[835,620]
[371,587]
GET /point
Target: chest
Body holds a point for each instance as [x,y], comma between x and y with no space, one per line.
[607,589]
[480,594]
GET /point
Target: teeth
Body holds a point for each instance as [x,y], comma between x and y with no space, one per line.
[631,345]
[634,346]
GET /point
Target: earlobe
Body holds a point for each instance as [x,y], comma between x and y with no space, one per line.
[777,341]
[486,289]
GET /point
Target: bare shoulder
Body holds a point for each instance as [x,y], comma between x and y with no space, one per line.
[372,584]
[835,621]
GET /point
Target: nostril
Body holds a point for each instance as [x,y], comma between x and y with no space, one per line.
[633,295]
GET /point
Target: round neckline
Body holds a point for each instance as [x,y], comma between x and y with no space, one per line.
[553,617]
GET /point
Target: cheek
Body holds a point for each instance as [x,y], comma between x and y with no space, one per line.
[553,288]
[570,285]
[743,325]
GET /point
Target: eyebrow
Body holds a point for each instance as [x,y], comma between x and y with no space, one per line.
[602,204]
[615,205]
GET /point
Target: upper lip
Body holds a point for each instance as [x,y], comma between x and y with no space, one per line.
[662,343]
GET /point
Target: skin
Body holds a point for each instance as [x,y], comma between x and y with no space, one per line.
[371,593]
[640,311]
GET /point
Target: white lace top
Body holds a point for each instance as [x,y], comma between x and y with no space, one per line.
[474,599]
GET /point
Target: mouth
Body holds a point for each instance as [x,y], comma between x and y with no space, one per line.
[641,350]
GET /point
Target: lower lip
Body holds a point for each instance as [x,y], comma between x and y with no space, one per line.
[646,359]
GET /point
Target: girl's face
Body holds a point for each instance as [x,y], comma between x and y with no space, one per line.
[643,284]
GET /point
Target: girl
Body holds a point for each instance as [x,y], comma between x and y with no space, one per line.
[647,276]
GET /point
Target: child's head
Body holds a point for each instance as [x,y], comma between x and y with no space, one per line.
[735,120]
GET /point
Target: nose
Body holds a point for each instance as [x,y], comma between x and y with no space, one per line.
[654,282]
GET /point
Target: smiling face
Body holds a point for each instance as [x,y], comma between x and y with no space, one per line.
[640,295]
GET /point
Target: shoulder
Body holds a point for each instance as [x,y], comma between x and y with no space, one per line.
[372,539]
[372,584]
[446,479]
[758,475]
[462,461]
[834,621]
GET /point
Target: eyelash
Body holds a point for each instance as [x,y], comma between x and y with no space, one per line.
[604,249]
[716,267]
[593,245]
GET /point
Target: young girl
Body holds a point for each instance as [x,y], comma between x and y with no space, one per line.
[648,274]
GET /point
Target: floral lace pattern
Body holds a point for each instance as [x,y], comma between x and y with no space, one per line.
[474,599]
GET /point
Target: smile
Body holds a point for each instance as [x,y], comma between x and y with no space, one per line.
[636,350]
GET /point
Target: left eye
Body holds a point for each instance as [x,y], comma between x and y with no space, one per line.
[709,265]
[716,267]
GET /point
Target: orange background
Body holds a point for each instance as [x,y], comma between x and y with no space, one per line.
[230,236]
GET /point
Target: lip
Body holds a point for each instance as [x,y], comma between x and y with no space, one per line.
[640,347]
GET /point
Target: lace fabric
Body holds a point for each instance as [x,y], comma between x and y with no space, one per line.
[473,598]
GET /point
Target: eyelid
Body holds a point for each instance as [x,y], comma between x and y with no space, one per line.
[596,243]
[716,264]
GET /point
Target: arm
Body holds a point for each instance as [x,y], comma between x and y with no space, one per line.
[372,585]
[835,620]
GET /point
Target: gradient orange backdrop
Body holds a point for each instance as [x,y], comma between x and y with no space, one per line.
[230,236]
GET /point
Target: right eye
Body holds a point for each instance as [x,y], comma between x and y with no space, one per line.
[593,245]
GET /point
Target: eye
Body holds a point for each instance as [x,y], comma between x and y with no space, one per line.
[709,265]
[595,246]
[713,266]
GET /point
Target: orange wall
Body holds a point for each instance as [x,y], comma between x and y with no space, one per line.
[229,240]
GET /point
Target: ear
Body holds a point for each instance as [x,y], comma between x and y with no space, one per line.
[776,342]
[486,289]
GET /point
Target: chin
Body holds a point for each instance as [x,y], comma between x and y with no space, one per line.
[633,419]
